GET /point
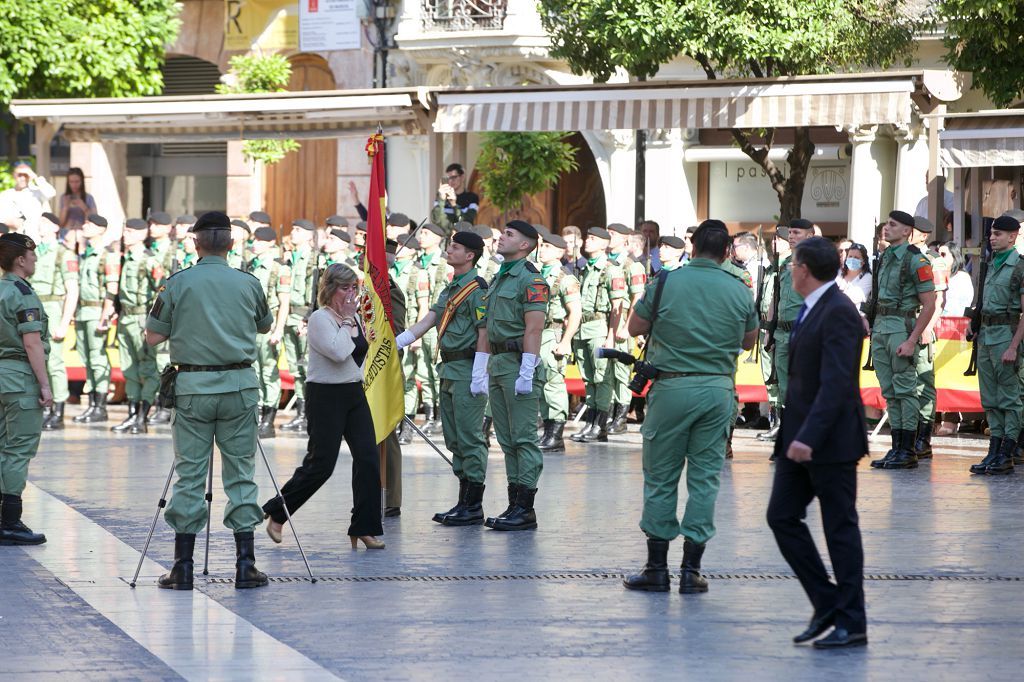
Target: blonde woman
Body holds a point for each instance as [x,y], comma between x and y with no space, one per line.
[336,408]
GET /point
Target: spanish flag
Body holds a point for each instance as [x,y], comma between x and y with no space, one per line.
[382,380]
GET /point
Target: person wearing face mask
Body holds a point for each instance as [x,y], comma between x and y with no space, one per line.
[855,277]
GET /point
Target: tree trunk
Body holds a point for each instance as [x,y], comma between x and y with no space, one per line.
[799,159]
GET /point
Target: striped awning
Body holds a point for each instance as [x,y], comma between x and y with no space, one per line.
[206,118]
[983,139]
[696,104]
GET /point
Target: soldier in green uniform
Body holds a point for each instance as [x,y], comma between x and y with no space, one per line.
[670,251]
[561,323]
[24,383]
[925,366]
[240,234]
[188,249]
[405,273]
[517,302]
[785,310]
[97,272]
[696,330]
[489,264]
[432,278]
[999,347]
[302,261]
[460,316]
[141,273]
[164,249]
[216,394]
[275,278]
[602,289]
[904,306]
[56,283]
[636,277]
[780,245]
[335,246]
[359,245]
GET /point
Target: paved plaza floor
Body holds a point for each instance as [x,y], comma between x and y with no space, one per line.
[944,558]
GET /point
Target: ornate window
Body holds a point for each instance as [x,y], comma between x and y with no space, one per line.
[464,15]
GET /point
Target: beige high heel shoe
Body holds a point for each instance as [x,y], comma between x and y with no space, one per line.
[368,540]
[272,531]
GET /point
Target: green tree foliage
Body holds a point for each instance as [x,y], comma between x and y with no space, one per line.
[734,38]
[984,37]
[83,48]
[513,165]
[261,73]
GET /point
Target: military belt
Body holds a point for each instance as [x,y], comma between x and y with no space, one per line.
[896,312]
[1000,320]
[453,355]
[675,375]
[135,310]
[787,326]
[213,368]
[591,317]
[510,346]
[90,304]
[51,298]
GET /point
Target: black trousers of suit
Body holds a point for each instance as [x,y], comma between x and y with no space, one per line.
[333,412]
[835,486]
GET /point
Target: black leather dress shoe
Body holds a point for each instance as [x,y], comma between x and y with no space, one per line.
[840,638]
[391,512]
[818,625]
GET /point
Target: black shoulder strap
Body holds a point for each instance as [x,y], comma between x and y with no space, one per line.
[655,304]
[22,287]
[532,268]
[482,282]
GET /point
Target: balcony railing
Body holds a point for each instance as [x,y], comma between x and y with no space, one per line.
[464,15]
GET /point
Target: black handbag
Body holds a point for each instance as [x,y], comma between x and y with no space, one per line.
[165,395]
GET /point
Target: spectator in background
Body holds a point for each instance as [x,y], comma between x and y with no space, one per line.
[75,203]
[651,231]
[960,294]
[855,277]
[844,246]
[26,201]
[453,203]
[573,258]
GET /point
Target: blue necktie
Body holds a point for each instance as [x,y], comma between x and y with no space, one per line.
[799,319]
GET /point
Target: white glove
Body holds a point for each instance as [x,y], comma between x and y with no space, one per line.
[478,386]
[404,339]
[524,384]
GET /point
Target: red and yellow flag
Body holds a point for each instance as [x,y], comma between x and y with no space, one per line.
[382,379]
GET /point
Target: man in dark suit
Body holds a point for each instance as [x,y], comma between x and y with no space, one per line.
[823,436]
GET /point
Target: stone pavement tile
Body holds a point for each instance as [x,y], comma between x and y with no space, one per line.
[48,632]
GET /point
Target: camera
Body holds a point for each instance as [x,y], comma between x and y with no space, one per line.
[643,372]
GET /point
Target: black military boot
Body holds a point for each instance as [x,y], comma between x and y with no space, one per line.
[463,487]
[619,414]
[993,451]
[129,421]
[471,512]
[1003,462]
[553,440]
[298,423]
[728,444]
[521,516]
[923,442]
[140,419]
[598,433]
[266,429]
[588,422]
[83,418]
[180,576]
[1018,454]
[246,573]
[56,420]
[691,581]
[405,431]
[12,530]
[431,423]
[880,463]
[513,491]
[99,414]
[653,577]
[161,416]
[546,425]
[488,427]
[774,423]
[904,458]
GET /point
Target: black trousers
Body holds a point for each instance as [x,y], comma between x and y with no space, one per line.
[835,486]
[333,412]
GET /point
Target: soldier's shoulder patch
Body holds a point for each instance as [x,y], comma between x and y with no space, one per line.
[747,279]
[924,272]
[637,278]
[23,287]
[28,315]
[572,285]
[481,312]
[72,264]
[537,292]
[618,283]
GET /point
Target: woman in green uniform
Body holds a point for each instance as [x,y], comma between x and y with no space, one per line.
[24,383]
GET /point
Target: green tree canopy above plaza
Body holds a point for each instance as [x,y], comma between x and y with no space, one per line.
[735,38]
[83,48]
[983,37]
